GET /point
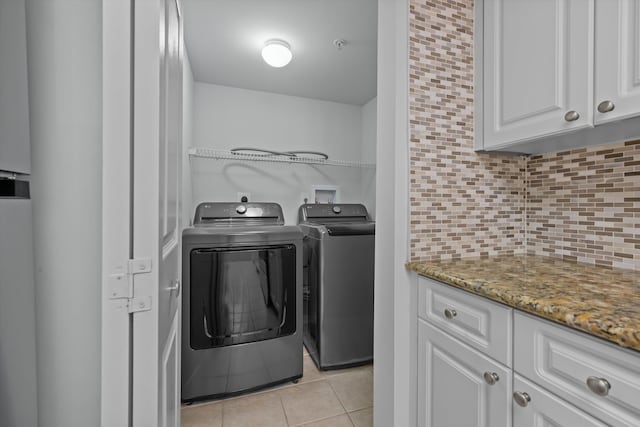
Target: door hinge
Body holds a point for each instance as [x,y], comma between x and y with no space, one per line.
[121,284]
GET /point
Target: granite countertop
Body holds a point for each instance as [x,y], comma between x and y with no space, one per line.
[604,302]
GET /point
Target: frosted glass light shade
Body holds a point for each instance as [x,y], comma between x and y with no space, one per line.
[276,53]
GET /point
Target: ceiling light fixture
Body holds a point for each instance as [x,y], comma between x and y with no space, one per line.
[276,53]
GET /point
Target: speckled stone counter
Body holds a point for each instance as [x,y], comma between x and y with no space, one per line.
[601,301]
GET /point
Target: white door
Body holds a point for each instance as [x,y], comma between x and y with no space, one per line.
[452,390]
[538,62]
[157,118]
[142,120]
[535,407]
[617,59]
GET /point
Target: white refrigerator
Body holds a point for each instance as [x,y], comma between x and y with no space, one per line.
[18,392]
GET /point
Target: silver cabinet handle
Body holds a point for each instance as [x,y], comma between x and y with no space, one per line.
[450,313]
[606,106]
[491,378]
[599,386]
[571,116]
[521,398]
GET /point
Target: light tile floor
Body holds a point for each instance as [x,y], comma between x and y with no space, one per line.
[342,398]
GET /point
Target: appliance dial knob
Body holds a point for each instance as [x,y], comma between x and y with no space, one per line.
[241,209]
[336,209]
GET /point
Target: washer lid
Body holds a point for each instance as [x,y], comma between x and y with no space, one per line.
[351,228]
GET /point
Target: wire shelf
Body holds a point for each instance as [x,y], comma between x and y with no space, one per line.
[210,153]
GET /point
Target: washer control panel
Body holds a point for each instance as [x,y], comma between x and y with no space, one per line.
[318,213]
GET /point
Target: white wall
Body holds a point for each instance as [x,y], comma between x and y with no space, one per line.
[368,154]
[64,40]
[14,104]
[18,389]
[395,329]
[226,117]
[187,136]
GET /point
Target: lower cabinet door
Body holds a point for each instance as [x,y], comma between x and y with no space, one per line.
[459,386]
[535,407]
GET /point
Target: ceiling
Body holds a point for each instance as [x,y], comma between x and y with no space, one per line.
[224,37]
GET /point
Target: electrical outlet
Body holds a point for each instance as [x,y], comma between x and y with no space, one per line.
[242,194]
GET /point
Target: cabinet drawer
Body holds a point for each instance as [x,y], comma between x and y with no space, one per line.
[562,360]
[545,409]
[480,323]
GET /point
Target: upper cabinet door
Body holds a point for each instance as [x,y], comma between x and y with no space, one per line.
[14,106]
[538,68]
[617,78]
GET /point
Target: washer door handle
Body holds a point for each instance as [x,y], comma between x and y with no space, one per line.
[206,326]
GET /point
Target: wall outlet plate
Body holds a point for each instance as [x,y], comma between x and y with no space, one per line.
[325,194]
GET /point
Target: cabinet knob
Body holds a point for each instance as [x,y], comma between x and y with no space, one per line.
[571,116]
[606,106]
[491,378]
[521,398]
[450,313]
[599,386]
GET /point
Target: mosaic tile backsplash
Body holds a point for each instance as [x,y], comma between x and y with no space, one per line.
[582,205]
[462,203]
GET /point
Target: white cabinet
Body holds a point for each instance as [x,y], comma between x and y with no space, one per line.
[484,364]
[617,76]
[556,74]
[597,377]
[536,407]
[537,68]
[14,106]
[460,336]
[452,390]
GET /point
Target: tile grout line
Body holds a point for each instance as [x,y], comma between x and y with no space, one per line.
[357,410]
[286,417]
[331,416]
[340,400]
[351,419]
